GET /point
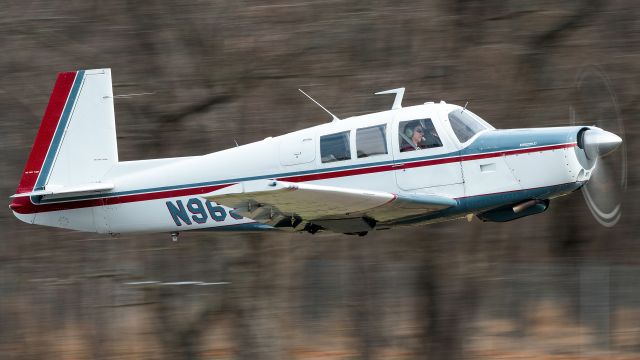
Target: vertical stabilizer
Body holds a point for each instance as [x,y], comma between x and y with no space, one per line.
[76,143]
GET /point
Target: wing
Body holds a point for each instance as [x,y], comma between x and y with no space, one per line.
[296,205]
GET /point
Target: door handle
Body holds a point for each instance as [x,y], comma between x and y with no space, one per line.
[397,165]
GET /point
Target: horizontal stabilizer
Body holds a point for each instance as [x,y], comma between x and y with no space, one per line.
[69,190]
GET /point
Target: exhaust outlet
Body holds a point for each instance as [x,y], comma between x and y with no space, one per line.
[525,205]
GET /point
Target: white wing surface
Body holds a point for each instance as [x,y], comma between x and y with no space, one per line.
[333,208]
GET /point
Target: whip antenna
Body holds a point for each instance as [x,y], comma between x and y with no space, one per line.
[335,118]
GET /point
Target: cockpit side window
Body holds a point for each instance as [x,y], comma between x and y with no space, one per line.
[371,141]
[464,124]
[335,147]
[417,135]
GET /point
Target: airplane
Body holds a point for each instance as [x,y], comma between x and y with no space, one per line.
[406,166]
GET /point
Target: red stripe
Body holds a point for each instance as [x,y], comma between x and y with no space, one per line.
[50,121]
[23,205]
[335,174]
[163,194]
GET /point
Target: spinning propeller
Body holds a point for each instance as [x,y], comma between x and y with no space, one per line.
[593,102]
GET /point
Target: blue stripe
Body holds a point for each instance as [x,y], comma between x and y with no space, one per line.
[59,134]
[490,141]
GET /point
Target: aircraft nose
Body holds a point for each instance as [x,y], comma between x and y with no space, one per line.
[597,142]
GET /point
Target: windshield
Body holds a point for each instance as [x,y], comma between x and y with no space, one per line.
[465,124]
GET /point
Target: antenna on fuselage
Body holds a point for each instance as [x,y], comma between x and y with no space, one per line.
[397,102]
[465,107]
[335,118]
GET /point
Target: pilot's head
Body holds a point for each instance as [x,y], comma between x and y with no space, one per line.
[414,131]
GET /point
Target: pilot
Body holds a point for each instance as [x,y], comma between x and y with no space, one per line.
[414,138]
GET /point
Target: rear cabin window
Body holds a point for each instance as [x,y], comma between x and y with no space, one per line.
[417,135]
[371,141]
[464,124]
[335,147]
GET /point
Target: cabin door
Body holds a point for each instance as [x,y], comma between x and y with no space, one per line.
[424,155]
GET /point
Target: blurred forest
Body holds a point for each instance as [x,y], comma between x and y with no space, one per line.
[553,286]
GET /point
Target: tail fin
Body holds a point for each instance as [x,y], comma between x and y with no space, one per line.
[76,143]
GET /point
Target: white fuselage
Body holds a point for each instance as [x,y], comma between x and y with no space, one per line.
[491,168]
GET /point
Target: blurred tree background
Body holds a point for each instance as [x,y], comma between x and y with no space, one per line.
[553,286]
